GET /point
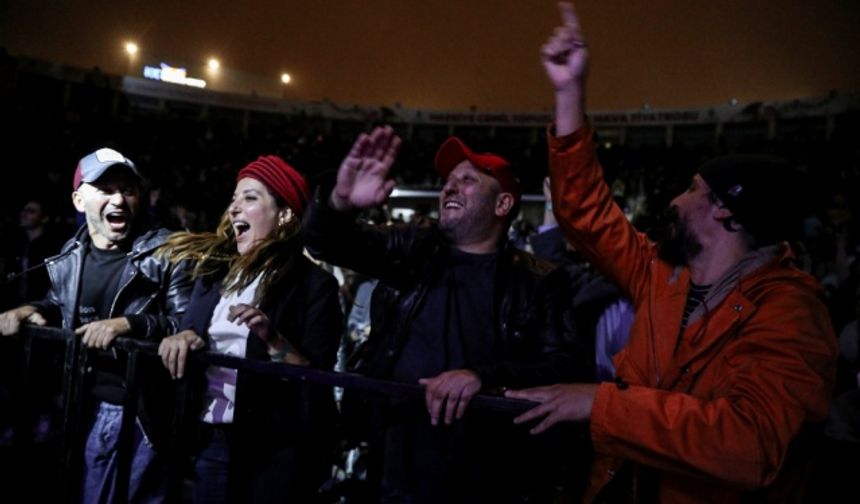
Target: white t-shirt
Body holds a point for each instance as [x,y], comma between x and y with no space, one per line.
[227,338]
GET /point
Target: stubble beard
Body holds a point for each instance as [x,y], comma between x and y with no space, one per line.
[679,245]
[467,228]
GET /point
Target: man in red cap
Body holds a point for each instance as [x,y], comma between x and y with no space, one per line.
[731,356]
[457,309]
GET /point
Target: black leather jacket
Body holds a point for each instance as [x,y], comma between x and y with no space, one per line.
[153,294]
[152,290]
[535,337]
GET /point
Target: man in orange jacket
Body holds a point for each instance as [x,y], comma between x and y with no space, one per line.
[731,352]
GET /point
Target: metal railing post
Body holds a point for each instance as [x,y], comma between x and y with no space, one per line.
[125,444]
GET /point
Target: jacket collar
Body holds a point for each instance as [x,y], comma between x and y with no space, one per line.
[725,307]
[749,263]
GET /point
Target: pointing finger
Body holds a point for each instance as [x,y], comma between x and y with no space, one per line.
[568,15]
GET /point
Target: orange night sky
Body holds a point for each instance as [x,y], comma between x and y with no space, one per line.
[456,54]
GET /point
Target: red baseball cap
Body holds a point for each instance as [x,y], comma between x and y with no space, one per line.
[453,152]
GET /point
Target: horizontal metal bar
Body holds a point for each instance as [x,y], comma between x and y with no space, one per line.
[323,377]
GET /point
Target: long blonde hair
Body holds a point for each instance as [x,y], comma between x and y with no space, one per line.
[273,257]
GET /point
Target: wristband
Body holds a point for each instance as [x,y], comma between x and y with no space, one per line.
[278,355]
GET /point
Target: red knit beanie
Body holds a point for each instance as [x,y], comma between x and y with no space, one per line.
[282,179]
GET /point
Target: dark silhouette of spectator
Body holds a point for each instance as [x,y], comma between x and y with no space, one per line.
[601,315]
[37,239]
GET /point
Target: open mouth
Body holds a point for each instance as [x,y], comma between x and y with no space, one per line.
[240,228]
[117,220]
[451,205]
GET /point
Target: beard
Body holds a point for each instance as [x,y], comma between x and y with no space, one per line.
[678,245]
[470,227]
[459,229]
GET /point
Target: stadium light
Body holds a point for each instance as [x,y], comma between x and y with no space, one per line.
[213,65]
[285,78]
[131,50]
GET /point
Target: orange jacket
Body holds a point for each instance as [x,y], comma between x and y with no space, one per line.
[715,417]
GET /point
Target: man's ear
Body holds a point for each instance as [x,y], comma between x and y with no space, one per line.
[722,213]
[78,201]
[726,218]
[504,204]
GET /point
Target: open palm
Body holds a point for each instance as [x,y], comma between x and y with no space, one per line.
[362,180]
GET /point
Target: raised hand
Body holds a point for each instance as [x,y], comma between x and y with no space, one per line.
[565,55]
[257,321]
[259,325]
[362,180]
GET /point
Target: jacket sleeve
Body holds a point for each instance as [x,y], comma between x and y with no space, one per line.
[193,319]
[773,377]
[591,220]
[337,238]
[323,325]
[49,308]
[176,290]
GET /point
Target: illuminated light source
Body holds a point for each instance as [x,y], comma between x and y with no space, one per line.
[214,65]
[131,48]
[174,75]
[285,78]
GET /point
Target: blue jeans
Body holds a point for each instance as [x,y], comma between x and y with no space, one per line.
[147,482]
[231,468]
[212,467]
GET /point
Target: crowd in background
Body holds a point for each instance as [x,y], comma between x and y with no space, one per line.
[191,154]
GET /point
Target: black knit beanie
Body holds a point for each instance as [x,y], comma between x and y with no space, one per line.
[762,192]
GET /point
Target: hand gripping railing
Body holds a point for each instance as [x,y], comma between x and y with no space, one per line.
[75,363]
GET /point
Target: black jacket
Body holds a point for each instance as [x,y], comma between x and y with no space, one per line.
[152,291]
[273,416]
[535,340]
[590,292]
[153,294]
[305,309]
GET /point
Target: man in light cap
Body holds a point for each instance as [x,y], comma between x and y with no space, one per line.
[107,282]
[457,309]
[731,356]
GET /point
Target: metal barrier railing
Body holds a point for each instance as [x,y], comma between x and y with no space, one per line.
[76,362]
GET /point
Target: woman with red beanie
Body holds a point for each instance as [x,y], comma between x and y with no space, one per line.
[257,296]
